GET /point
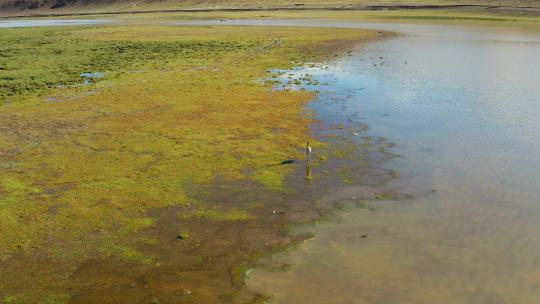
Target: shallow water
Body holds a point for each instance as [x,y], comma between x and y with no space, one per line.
[462,103]
[50,22]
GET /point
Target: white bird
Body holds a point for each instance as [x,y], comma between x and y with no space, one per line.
[308,148]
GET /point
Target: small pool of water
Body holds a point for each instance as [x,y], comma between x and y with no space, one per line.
[89,76]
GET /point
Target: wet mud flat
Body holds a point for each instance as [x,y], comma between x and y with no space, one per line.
[208,262]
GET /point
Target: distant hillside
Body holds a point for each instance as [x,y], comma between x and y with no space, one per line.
[21,7]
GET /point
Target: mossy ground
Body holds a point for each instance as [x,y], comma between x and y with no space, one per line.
[97,180]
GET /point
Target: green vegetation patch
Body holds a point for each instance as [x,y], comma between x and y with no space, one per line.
[216,215]
[176,107]
[36,59]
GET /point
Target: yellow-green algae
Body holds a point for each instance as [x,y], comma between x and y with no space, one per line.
[93,161]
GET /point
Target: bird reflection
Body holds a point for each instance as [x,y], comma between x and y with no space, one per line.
[308,170]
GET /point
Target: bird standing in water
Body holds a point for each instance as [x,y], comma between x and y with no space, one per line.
[308,167]
[308,148]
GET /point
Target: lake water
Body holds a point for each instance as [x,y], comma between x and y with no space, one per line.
[9,23]
[462,103]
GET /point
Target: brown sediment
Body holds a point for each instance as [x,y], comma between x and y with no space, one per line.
[209,266]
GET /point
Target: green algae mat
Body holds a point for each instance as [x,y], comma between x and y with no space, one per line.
[150,182]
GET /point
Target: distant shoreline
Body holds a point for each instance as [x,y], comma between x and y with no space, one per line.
[477,8]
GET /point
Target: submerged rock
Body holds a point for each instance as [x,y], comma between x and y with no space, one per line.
[183,235]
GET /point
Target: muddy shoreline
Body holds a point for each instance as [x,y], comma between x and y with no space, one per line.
[470,235]
[210,265]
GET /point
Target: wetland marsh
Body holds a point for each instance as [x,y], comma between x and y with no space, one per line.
[158,161]
[154,181]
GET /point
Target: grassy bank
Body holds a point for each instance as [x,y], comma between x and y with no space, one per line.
[126,187]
